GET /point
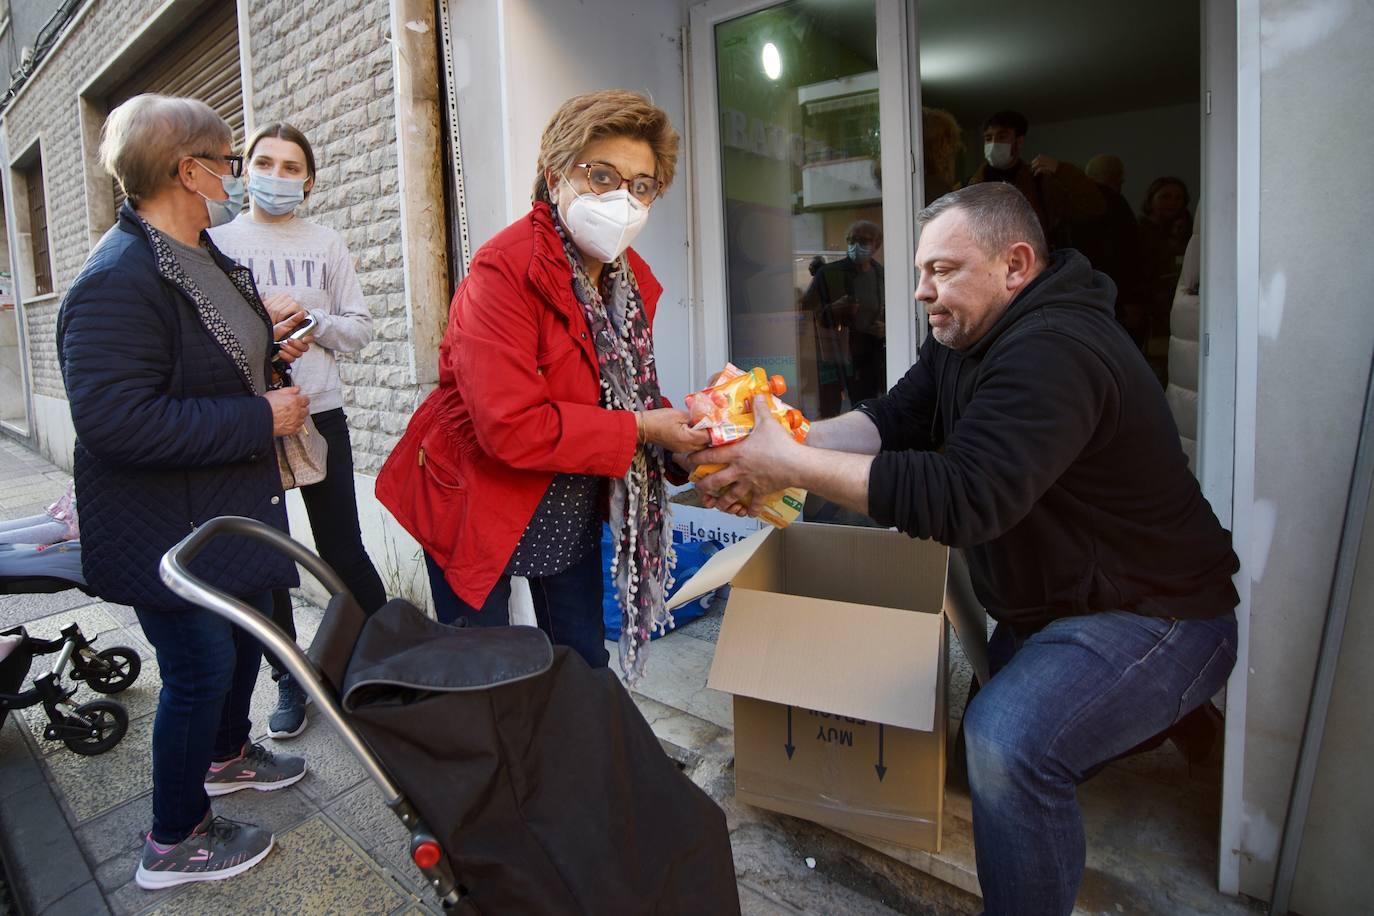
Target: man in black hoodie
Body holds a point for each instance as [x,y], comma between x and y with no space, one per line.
[1032,434]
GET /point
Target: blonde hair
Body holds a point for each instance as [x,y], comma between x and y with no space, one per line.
[583,119]
[145,139]
[942,140]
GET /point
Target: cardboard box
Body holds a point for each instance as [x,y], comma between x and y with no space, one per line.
[834,648]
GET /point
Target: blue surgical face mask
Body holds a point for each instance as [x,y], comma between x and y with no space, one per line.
[276,196]
[223,211]
[860,253]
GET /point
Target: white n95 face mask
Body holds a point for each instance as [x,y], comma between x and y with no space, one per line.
[998,155]
[603,225]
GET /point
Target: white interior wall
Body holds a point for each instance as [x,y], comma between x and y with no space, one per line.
[523,59]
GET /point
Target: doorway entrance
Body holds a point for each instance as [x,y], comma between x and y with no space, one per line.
[810,118]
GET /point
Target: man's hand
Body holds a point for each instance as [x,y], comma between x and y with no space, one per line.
[1044,165]
[289,410]
[671,428]
[759,465]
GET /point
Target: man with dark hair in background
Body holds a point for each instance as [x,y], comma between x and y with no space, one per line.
[1058,191]
[1032,434]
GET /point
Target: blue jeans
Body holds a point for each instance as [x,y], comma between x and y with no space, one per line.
[1059,706]
[567,606]
[208,668]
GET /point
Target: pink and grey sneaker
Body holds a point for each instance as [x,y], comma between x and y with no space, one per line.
[219,848]
[256,768]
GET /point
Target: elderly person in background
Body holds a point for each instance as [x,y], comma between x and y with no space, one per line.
[167,356]
[548,413]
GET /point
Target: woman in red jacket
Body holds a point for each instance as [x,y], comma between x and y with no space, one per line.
[548,415]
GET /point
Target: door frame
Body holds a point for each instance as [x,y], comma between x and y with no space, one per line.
[898,97]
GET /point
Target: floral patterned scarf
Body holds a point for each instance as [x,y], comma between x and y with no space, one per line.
[643,560]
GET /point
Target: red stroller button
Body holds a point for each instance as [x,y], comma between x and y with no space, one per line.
[427,854]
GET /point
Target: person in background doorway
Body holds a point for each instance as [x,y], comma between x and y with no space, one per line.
[548,416]
[942,141]
[166,353]
[1109,243]
[1058,191]
[1031,434]
[846,303]
[1164,229]
[305,269]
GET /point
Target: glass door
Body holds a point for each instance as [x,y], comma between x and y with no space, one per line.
[804,195]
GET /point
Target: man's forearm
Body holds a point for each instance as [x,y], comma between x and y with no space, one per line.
[841,477]
[851,432]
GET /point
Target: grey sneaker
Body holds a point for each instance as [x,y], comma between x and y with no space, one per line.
[219,848]
[289,719]
[256,768]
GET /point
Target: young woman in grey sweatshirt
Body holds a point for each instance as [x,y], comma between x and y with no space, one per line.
[304,268]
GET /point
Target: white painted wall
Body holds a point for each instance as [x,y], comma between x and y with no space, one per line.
[521,60]
[1312,335]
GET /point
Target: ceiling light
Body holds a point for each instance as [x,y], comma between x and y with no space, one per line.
[772,61]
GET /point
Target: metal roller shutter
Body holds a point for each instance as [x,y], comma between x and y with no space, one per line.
[202,63]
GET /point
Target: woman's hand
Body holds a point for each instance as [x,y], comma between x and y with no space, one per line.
[289,410]
[291,350]
[671,428]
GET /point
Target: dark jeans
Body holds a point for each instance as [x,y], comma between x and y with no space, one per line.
[1060,705]
[332,507]
[567,606]
[208,668]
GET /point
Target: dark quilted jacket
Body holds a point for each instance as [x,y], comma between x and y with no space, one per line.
[169,431]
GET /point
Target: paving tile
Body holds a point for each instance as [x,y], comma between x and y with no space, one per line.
[21,609]
[377,829]
[19,771]
[677,668]
[278,811]
[93,618]
[41,856]
[314,869]
[95,785]
[117,831]
[86,900]
[117,871]
[332,768]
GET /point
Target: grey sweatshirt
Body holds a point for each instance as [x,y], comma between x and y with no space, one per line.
[310,263]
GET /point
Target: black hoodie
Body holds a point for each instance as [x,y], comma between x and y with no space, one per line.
[1058,467]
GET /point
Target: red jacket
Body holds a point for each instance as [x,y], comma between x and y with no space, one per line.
[518,401]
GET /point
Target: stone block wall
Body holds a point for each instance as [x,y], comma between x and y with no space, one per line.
[47,109]
[325,67]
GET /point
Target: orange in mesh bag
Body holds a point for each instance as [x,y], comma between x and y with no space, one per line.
[726,410]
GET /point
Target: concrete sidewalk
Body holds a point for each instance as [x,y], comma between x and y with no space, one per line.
[74,826]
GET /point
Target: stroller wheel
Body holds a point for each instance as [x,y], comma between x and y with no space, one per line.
[112,670]
[105,724]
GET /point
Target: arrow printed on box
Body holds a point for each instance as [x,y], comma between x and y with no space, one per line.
[882,770]
[789,746]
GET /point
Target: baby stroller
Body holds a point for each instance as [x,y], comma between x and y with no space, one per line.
[90,728]
[530,783]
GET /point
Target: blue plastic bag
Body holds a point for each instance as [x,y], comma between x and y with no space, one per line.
[691,556]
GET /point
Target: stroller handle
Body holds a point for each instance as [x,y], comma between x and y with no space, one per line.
[438,872]
[186,585]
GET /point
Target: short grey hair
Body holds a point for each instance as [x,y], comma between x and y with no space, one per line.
[145,139]
[998,214]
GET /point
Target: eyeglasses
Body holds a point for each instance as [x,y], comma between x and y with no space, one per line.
[235,163]
[603,179]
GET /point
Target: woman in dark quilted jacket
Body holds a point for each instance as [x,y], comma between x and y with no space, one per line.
[166,355]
